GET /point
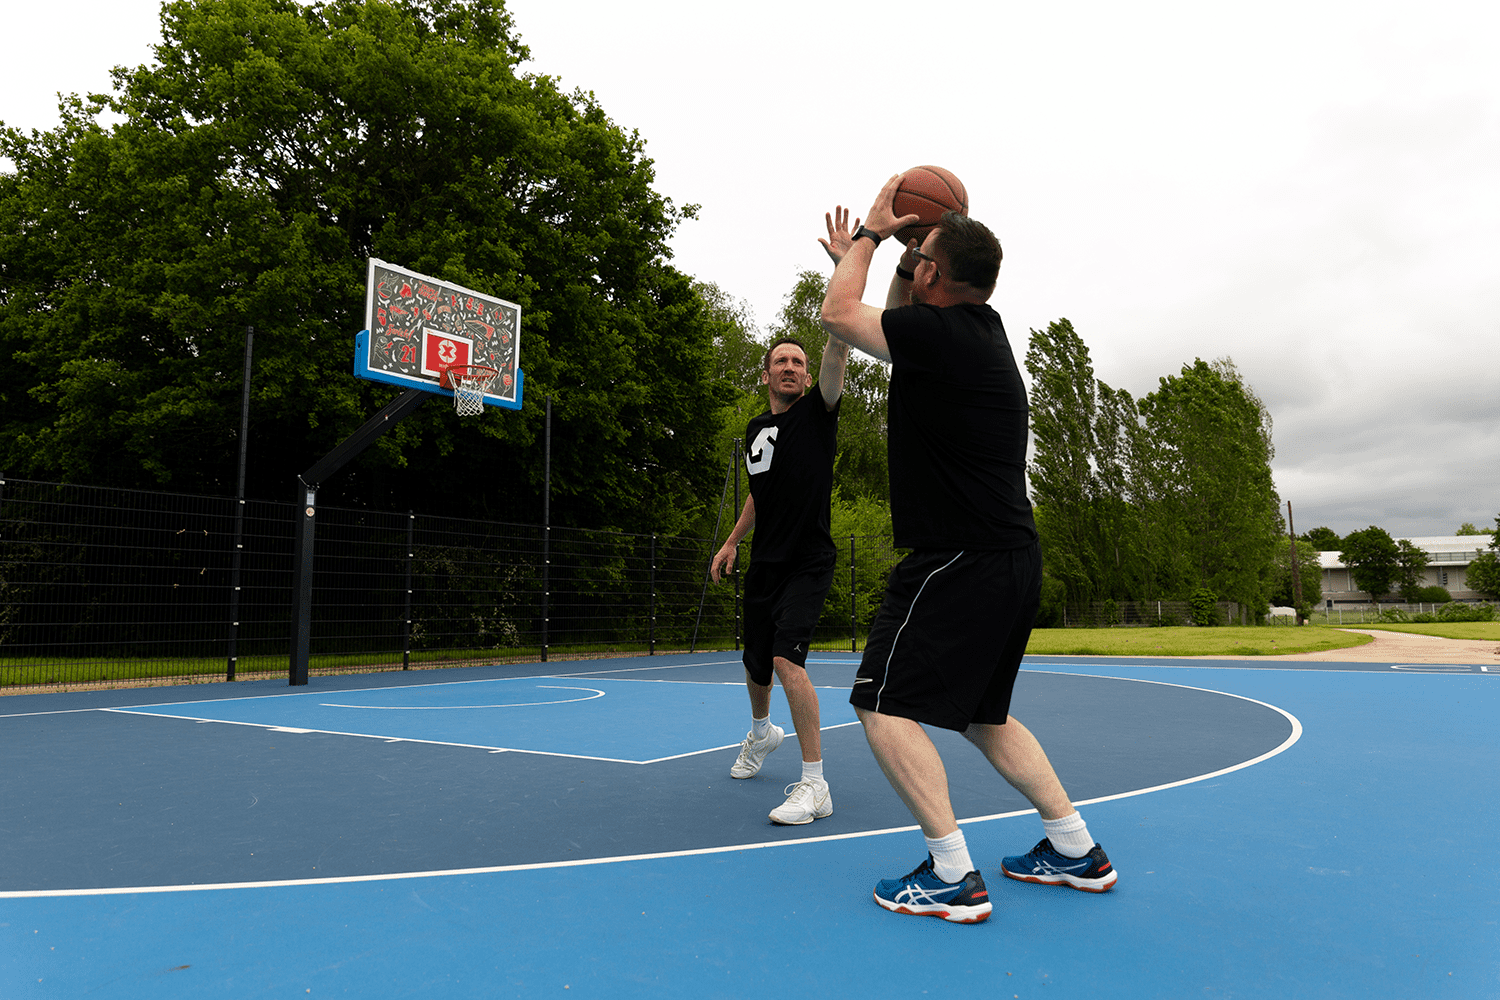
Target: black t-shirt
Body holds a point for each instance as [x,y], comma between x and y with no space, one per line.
[958,425]
[789,456]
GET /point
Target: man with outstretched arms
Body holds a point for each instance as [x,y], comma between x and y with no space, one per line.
[789,454]
[957,613]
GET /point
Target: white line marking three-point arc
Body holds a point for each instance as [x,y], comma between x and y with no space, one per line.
[593,693]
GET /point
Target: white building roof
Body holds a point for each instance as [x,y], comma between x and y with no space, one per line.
[1446,550]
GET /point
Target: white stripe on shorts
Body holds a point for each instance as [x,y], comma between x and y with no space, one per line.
[909,609]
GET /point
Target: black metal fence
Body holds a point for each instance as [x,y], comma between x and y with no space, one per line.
[102,585]
[1109,614]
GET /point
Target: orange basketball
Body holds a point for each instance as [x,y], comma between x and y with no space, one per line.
[928,192]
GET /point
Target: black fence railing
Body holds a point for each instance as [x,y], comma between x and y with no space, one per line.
[101,585]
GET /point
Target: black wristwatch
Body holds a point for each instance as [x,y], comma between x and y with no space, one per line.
[872,234]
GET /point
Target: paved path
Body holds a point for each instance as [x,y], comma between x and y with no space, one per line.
[1403,647]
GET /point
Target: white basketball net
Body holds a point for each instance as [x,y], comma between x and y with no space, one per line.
[469,387]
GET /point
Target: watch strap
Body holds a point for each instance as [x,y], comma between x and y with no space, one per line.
[875,237]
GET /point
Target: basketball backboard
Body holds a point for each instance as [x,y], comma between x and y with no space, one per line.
[417,327]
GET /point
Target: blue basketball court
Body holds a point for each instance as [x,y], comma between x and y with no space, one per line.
[1281,830]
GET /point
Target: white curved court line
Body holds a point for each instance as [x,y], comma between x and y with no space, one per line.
[1292,738]
[595,693]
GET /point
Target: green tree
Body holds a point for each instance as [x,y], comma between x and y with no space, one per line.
[1212,471]
[1413,564]
[1163,497]
[738,354]
[1064,408]
[1324,539]
[1483,573]
[270,149]
[1467,528]
[1309,573]
[1374,560]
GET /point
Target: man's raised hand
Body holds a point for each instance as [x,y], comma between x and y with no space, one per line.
[839,238]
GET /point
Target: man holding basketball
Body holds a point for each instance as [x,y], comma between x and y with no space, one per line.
[789,454]
[957,613]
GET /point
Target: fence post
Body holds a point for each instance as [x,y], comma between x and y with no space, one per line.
[546,527]
[239,517]
[853,617]
[411,552]
[651,624]
[234,586]
[302,587]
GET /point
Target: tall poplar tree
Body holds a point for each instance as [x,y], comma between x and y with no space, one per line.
[1213,456]
[1064,408]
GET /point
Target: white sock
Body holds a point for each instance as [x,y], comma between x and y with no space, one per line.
[760,727]
[1069,835]
[812,770]
[950,856]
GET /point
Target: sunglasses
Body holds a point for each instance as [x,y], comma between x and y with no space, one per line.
[928,257]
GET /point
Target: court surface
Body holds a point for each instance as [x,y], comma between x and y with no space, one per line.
[1282,829]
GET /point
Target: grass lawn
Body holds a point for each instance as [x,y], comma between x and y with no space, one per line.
[1229,640]
[1480,631]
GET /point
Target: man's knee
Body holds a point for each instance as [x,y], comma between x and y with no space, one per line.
[787,669]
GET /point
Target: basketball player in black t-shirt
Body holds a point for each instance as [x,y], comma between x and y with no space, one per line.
[789,454]
[957,613]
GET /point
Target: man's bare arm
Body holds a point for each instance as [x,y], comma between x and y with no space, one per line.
[844,315]
[724,560]
[831,371]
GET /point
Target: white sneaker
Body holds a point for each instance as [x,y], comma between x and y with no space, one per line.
[807,800]
[753,754]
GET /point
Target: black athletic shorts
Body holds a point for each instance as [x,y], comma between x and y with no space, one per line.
[782,604]
[949,636]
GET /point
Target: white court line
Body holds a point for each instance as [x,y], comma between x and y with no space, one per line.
[619,859]
[387,738]
[595,693]
[1220,664]
[1292,738]
[394,687]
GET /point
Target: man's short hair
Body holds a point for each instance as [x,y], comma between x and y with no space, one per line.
[765,363]
[970,251]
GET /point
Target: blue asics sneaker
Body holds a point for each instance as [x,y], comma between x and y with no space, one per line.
[1091,873]
[925,895]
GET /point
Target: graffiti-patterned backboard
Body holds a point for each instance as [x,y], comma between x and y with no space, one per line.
[418,327]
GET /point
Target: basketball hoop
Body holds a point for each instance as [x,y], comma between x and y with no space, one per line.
[469,384]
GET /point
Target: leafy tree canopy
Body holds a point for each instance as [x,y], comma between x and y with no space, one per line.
[1483,574]
[1213,451]
[1167,496]
[1468,528]
[1309,574]
[1324,539]
[1374,560]
[1413,561]
[270,149]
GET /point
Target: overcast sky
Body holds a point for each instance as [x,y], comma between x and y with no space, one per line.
[1311,189]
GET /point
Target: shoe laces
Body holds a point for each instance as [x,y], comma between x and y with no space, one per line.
[800,790]
[925,866]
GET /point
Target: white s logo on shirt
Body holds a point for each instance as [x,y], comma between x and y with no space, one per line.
[758,459]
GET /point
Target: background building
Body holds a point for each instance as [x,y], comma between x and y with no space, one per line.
[1448,557]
